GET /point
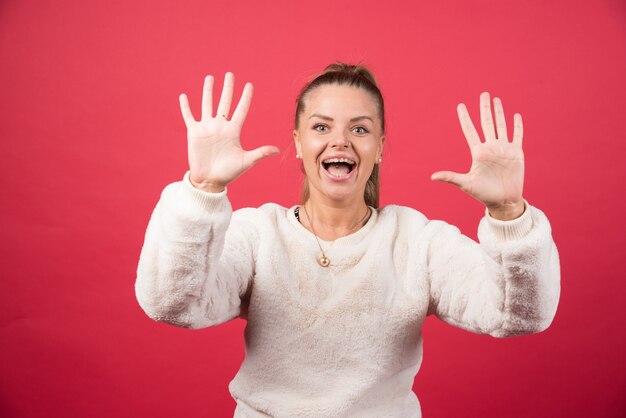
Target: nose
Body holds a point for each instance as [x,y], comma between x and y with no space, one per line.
[340,140]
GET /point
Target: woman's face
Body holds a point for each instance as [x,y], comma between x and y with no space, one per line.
[339,139]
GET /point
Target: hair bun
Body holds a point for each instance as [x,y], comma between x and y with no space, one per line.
[351,69]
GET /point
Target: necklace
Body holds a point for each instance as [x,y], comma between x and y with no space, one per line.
[323,260]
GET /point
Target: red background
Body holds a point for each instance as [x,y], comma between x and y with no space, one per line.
[91,133]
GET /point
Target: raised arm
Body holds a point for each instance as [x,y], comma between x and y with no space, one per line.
[509,284]
[197,259]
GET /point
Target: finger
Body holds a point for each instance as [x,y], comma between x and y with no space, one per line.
[227,95]
[456,179]
[518,129]
[239,116]
[500,120]
[254,156]
[207,98]
[486,120]
[185,109]
[467,126]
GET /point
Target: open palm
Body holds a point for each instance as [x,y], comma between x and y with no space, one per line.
[214,149]
[496,177]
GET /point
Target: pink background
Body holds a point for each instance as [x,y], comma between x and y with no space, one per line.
[91,133]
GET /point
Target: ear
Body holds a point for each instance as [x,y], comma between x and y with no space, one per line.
[296,142]
[381,145]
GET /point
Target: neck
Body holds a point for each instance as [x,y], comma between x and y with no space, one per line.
[330,219]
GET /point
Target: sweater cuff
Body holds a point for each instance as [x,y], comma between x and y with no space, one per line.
[212,202]
[511,230]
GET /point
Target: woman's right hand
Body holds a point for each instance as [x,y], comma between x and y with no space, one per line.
[213,143]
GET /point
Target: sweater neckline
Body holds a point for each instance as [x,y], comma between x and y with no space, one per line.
[347,240]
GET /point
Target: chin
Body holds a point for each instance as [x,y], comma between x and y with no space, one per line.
[341,193]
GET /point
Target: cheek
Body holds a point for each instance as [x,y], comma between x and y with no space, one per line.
[312,148]
[310,154]
[369,152]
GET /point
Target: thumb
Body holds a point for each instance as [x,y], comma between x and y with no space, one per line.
[451,177]
[254,156]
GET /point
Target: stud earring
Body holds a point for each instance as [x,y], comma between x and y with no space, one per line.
[298,156]
[380,160]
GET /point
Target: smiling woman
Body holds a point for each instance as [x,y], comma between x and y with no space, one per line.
[344,89]
[335,294]
[340,141]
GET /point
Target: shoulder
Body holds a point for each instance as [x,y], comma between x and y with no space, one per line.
[401,214]
[268,213]
[252,224]
[412,221]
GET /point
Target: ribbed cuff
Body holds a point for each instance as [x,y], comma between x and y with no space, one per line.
[209,201]
[511,230]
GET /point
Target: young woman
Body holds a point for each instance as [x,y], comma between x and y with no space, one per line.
[335,290]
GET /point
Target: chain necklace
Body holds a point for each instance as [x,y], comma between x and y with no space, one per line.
[323,260]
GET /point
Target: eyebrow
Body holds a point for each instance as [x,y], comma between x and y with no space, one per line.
[315,115]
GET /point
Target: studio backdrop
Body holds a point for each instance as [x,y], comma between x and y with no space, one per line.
[91,133]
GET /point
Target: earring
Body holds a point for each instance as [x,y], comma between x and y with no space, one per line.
[380,160]
[298,156]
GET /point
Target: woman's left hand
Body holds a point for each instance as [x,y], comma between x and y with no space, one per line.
[496,177]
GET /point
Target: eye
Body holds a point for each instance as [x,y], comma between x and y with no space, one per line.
[360,130]
[320,127]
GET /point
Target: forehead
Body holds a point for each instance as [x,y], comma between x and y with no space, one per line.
[340,100]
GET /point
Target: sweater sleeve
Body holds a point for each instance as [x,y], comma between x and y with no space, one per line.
[507,285]
[196,264]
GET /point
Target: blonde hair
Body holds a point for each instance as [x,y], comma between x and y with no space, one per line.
[347,75]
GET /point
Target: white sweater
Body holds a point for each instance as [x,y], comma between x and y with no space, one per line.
[345,340]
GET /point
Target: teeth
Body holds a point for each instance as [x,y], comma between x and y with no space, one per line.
[338,160]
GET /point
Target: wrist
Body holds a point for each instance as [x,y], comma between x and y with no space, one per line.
[507,211]
[207,186]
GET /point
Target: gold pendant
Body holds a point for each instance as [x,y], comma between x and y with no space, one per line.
[324,261]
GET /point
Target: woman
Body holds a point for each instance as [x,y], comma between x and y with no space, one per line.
[335,291]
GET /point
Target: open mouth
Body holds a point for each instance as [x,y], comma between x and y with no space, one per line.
[339,167]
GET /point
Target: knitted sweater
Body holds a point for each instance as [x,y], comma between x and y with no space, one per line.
[343,340]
